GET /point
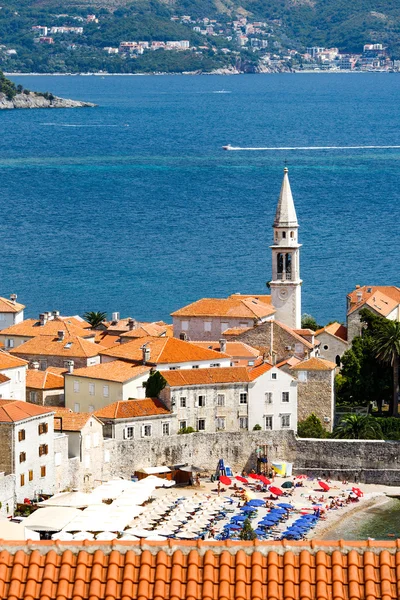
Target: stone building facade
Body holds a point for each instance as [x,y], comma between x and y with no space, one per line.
[316,390]
[332,346]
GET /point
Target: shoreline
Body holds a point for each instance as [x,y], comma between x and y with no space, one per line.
[195,73]
[323,529]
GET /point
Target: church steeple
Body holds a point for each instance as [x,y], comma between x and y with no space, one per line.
[286,282]
[285,215]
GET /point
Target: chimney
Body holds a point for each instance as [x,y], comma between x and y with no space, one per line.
[359,296]
[61,335]
[49,315]
[43,318]
[115,318]
[70,366]
[56,314]
[13,298]
[145,354]
[358,286]
[222,345]
[35,365]
[131,324]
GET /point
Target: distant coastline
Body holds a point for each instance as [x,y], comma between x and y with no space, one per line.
[192,73]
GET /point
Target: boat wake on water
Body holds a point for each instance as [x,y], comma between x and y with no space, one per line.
[238,148]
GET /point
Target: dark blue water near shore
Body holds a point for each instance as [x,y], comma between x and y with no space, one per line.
[134,206]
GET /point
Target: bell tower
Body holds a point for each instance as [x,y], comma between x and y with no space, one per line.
[286,283]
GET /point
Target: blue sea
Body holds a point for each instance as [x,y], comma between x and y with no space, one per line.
[133,206]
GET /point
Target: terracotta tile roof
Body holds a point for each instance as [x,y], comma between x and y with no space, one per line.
[71,421]
[314,364]
[117,370]
[234,306]
[8,306]
[146,329]
[129,409]
[307,332]
[71,346]
[264,298]
[44,380]
[186,377]
[106,340]
[163,350]
[10,362]
[234,349]
[235,330]
[336,329]
[32,328]
[291,362]
[387,295]
[4,378]
[12,411]
[200,570]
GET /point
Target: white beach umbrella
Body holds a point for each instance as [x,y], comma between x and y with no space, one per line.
[83,535]
[156,538]
[164,531]
[142,533]
[106,536]
[63,536]
[186,535]
[127,537]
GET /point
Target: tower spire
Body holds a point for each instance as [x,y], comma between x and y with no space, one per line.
[285,215]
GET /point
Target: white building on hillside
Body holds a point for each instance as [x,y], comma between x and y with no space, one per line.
[14,369]
[11,312]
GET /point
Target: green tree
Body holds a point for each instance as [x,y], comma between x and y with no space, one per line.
[358,427]
[247,533]
[308,322]
[257,427]
[95,318]
[184,430]
[154,385]
[311,428]
[387,347]
[363,379]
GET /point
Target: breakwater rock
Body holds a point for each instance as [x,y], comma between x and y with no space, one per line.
[34,100]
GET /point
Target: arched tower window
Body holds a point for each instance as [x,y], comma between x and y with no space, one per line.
[292,234]
[283,234]
[279,263]
[288,265]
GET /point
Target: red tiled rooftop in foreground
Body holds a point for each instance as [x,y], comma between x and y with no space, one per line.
[200,571]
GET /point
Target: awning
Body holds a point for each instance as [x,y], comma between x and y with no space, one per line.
[16,532]
[154,470]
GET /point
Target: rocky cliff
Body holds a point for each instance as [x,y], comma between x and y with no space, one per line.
[32,100]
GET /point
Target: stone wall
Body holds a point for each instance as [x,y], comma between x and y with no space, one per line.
[56,361]
[6,448]
[357,461]
[7,495]
[331,346]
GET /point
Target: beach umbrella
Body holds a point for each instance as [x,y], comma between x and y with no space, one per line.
[63,536]
[248,509]
[287,484]
[188,535]
[285,505]
[156,538]
[225,480]
[106,536]
[324,486]
[129,538]
[301,476]
[137,532]
[83,535]
[242,479]
[259,532]
[256,502]
[253,476]
[275,491]
[357,491]
[264,480]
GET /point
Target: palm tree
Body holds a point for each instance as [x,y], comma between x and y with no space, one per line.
[95,318]
[387,348]
[358,427]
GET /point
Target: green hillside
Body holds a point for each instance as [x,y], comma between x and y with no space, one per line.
[289,24]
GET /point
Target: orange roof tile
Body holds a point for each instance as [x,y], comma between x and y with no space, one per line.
[46,345]
[207,570]
[146,329]
[314,364]
[116,370]
[8,306]
[264,298]
[71,421]
[10,362]
[291,362]
[44,380]
[185,377]
[235,330]
[234,349]
[163,350]
[336,329]
[4,378]
[129,409]
[32,328]
[236,307]
[12,411]
[106,340]
[366,292]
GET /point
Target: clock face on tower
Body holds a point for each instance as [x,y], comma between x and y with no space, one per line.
[283,294]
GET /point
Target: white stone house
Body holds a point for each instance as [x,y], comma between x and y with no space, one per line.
[85,442]
[382,300]
[14,369]
[11,312]
[232,399]
[137,419]
[208,318]
[92,388]
[333,342]
[166,353]
[26,443]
